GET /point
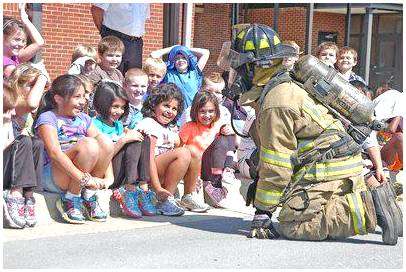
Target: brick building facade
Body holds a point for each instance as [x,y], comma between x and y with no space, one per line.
[66,25]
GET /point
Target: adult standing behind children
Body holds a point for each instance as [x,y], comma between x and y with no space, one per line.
[184,68]
[127,22]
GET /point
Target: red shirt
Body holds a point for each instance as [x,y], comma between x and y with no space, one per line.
[197,136]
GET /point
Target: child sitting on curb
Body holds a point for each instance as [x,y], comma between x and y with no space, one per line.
[22,168]
[131,151]
[211,146]
[78,157]
[169,162]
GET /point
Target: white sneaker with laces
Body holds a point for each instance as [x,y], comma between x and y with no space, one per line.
[193,203]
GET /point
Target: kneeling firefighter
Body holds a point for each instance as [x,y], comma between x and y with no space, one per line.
[309,165]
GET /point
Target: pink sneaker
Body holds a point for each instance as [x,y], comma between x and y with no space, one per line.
[213,196]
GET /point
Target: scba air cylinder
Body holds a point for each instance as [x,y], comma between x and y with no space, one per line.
[328,86]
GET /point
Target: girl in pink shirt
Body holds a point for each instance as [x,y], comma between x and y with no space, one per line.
[15,49]
[211,145]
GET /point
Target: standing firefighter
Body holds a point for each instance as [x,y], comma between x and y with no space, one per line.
[308,164]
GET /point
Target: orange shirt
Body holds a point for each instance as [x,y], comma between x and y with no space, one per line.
[197,136]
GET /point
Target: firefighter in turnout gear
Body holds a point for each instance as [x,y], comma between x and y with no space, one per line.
[309,165]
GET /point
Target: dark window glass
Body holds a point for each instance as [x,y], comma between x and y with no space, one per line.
[388,23]
[387,53]
[356,24]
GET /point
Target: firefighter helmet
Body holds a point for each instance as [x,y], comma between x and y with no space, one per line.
[259,44]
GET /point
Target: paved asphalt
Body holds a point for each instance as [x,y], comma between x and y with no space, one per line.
[206,242]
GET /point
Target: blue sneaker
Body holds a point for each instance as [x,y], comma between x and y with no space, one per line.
[128,201]
[145,202]
[71,210]
[170,208]
[93,210]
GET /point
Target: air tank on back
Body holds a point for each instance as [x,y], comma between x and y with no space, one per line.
[329,87]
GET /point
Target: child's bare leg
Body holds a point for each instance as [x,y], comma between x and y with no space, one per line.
[192,173]
[16,191]
[84,155]
[106,149]
[172,167]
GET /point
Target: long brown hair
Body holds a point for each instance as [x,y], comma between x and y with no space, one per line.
[200,99]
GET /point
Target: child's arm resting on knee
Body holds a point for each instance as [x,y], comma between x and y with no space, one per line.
[155,183]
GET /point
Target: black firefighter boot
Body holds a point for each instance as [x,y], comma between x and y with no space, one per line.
[396,211]
[384,215]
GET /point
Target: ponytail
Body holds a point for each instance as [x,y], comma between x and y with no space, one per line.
[47,103]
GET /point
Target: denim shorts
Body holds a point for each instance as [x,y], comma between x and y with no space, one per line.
[48,180]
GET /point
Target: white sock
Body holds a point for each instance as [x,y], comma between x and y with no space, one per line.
[70,196]
[87,193]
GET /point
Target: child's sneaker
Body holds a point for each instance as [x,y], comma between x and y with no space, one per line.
[214,195]
[71,209]
[128,201]
[170,208]
[146,202]
[14,210]
[93,210]
[193,204]
[29,212]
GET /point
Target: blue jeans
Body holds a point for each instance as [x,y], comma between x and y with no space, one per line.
[132,57]
[48,182]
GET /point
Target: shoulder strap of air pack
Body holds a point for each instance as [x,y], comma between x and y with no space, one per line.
[275,81]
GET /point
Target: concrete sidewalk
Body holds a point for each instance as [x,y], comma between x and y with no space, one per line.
[50,222]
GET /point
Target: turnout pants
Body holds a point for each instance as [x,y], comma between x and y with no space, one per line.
[337,209]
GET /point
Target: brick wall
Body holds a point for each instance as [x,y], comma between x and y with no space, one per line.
[212,27]
[64,26]
[292,24]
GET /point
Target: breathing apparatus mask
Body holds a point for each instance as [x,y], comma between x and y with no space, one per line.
[252,47]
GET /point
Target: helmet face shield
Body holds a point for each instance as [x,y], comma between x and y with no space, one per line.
[230,58]
[223,60]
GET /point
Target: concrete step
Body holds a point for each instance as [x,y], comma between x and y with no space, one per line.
[47,212]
